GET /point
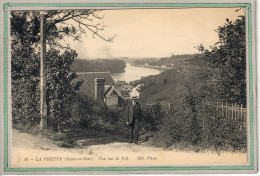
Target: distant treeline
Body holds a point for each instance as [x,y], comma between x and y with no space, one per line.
[165,60]
[142,61]
[98,65]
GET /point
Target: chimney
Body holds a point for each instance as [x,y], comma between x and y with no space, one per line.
[99,89]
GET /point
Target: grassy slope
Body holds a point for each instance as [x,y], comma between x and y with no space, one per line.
[157,89]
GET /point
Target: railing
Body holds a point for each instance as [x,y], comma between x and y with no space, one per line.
[233,112]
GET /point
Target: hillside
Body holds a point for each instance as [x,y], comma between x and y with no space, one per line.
[172,85]
[165,61]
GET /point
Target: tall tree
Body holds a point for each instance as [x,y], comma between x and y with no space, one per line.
[227,59]
[25,37]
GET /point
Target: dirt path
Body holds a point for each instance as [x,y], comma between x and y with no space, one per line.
[29,150]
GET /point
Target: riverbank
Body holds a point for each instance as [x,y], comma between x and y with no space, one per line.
[163,68]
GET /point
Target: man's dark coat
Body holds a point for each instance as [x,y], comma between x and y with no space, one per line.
[133,116]
[133,112]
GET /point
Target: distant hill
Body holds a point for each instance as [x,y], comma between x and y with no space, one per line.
[99,65]
[172,60]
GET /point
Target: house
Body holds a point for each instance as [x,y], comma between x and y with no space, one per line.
[100,86]
[111,95]
[128,87]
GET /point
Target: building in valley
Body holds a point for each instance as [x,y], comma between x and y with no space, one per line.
[100,86]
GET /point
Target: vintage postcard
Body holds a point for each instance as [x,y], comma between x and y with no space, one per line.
[128,87]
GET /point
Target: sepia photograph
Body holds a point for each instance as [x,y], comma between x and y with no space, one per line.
[151,87]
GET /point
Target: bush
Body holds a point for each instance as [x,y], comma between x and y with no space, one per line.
[196,126]
[60,88]
[152,116]
[221,132]
[90,113]
[191,125]
[178,126]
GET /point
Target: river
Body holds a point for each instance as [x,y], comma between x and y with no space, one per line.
[133,73]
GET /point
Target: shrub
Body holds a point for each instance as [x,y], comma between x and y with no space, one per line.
[198,127]
[221,132]
[90,113]
[152,116]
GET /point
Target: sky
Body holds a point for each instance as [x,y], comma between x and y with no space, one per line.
[155,33]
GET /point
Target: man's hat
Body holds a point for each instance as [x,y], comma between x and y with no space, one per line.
[134,98]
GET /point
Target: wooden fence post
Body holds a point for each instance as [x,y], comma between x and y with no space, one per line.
[245,119]
[242,119]
[241,111]
[226,110]
[232,111]
[222,109]
[235,111]
[238,112]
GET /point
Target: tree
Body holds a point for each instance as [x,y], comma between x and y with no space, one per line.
[227,60]
[25,83]
[60,87]
[25,37]
[60,24]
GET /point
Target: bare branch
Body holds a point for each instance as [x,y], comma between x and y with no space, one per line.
[95,30]
[87,20]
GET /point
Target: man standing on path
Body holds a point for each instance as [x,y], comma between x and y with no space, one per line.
[133,117]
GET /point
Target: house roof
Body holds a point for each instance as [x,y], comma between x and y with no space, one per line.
[88,84]
[110,90]
[107,90]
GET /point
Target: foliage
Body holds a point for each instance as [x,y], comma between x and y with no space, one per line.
[59,87]
[173,60]
[111,65]
[200,128]
[25,75]
[59,25]
[90,113]
[167,61]
[221,132]
[25,86]
[25,62]
[177,127]
[227,59]
[82,110]
[152,116]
